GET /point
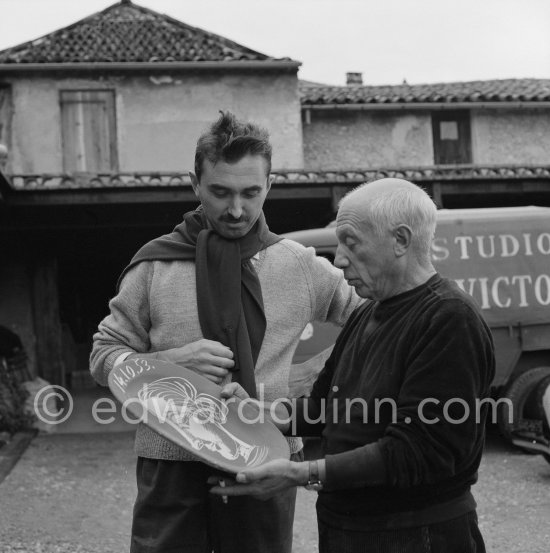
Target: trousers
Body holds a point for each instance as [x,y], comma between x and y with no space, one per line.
[175,513]
[459,535]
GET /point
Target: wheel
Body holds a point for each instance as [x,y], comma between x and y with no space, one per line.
[542,389]
[526,415]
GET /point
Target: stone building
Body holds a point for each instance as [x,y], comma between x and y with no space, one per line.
[473,143]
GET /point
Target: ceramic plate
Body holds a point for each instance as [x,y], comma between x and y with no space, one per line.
[186,408]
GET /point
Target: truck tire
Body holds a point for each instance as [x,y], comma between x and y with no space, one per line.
[541,390]
[519,391]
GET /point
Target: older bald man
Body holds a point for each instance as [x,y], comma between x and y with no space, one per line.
[400,400]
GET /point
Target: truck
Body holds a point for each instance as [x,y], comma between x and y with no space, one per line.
[501,257]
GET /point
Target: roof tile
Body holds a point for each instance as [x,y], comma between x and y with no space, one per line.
[439,173]
[126,32]
[504,90]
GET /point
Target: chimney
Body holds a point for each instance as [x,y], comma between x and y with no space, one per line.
[354,79]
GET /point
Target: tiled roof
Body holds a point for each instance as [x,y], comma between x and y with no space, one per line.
[125,32]
[306,178]
[505,90]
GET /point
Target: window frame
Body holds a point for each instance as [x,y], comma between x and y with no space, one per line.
[106,98]
[443,153]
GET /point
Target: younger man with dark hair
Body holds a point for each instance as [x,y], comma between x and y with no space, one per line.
[221,260]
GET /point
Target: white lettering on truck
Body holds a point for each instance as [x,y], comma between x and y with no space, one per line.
[500,291]
[482,252]
[486,246]
[440,252]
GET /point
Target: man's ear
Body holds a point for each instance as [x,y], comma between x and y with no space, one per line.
[194,183]
[403,239]
[270,179]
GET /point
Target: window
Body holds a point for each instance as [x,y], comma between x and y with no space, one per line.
[88,126]
[5,114]
[451,137]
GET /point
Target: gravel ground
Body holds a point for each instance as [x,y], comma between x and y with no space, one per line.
[74,494]
[69,494]
[513,495]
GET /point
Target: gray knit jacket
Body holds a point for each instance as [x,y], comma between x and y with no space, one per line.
[156,309]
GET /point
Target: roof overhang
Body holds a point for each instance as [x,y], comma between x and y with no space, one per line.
[34,202]
[427,106]
[168,186]
[268,65]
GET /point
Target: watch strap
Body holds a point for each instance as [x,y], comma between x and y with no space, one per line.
[314,482]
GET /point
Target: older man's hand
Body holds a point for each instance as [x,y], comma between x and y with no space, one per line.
[233,390]
[265,481]
[274,412]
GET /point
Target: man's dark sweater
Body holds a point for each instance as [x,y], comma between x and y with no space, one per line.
[404,373]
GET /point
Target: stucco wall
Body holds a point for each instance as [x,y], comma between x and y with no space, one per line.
[158,118]
[36,128]
[511,136]
[362,139]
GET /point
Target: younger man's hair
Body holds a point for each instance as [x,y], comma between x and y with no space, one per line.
[229,140]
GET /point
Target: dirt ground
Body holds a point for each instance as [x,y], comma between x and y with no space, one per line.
[73,494]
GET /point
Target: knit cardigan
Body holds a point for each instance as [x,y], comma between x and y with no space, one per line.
[156,309]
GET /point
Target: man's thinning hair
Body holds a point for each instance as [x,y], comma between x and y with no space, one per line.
[229,140]
[409,205]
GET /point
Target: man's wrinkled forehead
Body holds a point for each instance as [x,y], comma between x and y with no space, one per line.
[344,207]
[354,218]
[351,210]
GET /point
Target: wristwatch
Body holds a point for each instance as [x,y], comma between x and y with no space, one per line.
[314,483]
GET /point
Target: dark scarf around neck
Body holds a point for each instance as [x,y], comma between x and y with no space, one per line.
[229,295]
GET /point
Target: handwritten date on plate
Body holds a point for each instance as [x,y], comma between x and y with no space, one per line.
[126,372]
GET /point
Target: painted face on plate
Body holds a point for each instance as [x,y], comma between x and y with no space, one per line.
[233,194]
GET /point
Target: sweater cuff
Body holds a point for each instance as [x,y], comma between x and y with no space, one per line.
[357,468]
[108,365]
[121,358]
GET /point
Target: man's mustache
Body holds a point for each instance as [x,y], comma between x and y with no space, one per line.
[229,219]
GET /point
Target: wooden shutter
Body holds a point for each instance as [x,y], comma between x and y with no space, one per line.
[5,115]
[451,137]
[88,124]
